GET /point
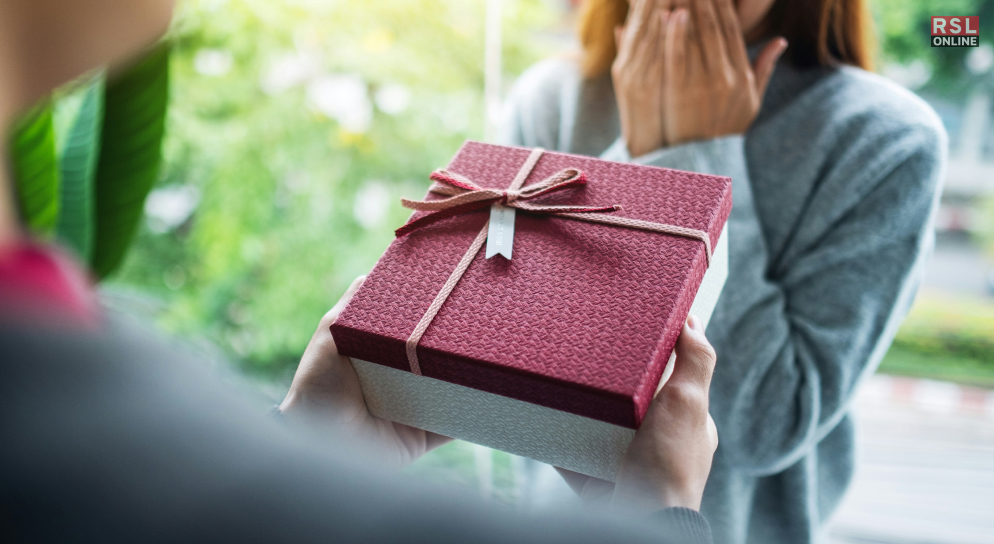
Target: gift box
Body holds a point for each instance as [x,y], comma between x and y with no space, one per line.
[554,353]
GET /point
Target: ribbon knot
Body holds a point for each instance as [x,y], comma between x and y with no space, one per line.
[509,197]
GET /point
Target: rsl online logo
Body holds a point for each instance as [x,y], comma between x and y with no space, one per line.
[955,31]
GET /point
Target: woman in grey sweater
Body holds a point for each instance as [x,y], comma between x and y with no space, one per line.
[836,176]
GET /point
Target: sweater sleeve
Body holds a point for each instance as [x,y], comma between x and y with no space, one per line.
[684,526]
[794,337]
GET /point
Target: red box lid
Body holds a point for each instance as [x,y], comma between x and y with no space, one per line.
[582,319]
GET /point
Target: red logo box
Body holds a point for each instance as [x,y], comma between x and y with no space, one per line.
[955,26]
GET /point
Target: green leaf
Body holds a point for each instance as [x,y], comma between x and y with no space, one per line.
[78,168]
[130,155]
[32,151]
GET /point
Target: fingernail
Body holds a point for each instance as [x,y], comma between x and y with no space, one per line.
[683,16]
[695,323]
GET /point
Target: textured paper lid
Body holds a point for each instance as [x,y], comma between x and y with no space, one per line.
[583,319]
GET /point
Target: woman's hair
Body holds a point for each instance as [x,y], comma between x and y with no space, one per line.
[820,32]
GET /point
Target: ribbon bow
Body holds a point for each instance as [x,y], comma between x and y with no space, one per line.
[466,196]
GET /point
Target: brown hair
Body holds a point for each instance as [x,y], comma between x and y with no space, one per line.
[820,32]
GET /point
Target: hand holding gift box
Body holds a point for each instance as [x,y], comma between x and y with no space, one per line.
[666,465]
[555,354]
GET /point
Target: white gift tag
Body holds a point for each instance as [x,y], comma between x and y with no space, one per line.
[500,235]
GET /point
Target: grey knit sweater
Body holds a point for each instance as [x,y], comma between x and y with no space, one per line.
[834,187]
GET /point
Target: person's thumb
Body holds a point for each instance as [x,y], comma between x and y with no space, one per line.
[695,358]
[766,62]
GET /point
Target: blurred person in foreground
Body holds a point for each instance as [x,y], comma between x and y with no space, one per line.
[110,436]
[836,174]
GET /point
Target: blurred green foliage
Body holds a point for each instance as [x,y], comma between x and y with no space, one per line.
[36,170]
[131,134]
[946,337]
[85,158]
[294,127]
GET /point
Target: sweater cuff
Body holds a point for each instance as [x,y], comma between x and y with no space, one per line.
[684,525]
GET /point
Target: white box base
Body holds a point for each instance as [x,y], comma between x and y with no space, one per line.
[558,438]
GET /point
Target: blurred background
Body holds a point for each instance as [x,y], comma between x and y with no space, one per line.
[295,126]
